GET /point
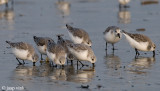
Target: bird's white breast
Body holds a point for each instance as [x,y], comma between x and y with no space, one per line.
[20,54]
[75,39]
[51,56]
[142,46]
[81,55]
[42,49]
[111,38]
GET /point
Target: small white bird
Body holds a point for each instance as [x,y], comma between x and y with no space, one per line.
[41,43]
[82,52]
[79,36]
[23,51]
[112,35]
[56,53]
[140,42]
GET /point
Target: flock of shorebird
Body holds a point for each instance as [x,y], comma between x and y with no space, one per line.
[78,48]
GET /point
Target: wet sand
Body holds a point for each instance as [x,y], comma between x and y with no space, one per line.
[118,71]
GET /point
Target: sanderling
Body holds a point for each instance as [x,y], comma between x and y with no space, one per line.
[56,53]
[64,43]
[23,51]
[140,42]
[112,35]
[123,3]
[78,36]
[41,43]
[82,52]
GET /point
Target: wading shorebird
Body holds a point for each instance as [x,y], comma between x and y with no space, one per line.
[78,36]
[56,53]
[112,35]
[140,42]
[82,52]
[41,43]
[64,43]
[23,51]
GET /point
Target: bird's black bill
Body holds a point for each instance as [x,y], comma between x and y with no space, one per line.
[118,35]
[34,63]
[153,53]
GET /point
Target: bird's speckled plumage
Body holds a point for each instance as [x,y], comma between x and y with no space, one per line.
[81,34]
[82,52]
[23,51]
[56,53]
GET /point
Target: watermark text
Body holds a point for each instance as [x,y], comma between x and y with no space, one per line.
[9,88]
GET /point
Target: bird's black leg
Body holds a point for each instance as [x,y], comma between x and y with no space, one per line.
[23,62]
[106,45]
[71,62]
[137,53]
[82,63]
[113,47]
[41,57]
[7,4]
[153,53]
[19,61]
[77,65]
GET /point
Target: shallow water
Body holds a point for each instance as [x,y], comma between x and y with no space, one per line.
[118,71]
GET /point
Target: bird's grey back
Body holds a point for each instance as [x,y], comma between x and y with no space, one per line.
[22,45]
[110,28]
[40,41]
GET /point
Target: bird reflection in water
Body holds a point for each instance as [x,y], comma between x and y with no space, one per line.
[71,75]
[113,64]
[68,73]
[124,16]
[141,64]
[40,71]
[6,2]
[63,7]
[7,18]
[82,76]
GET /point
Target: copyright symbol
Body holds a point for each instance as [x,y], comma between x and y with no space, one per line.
[3,87]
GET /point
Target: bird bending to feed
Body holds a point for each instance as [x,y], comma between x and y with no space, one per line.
[23,51]
[41,43]
[78,36]
[82,52]
[112,35]
[64,43]
[56,53]
[140,42]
